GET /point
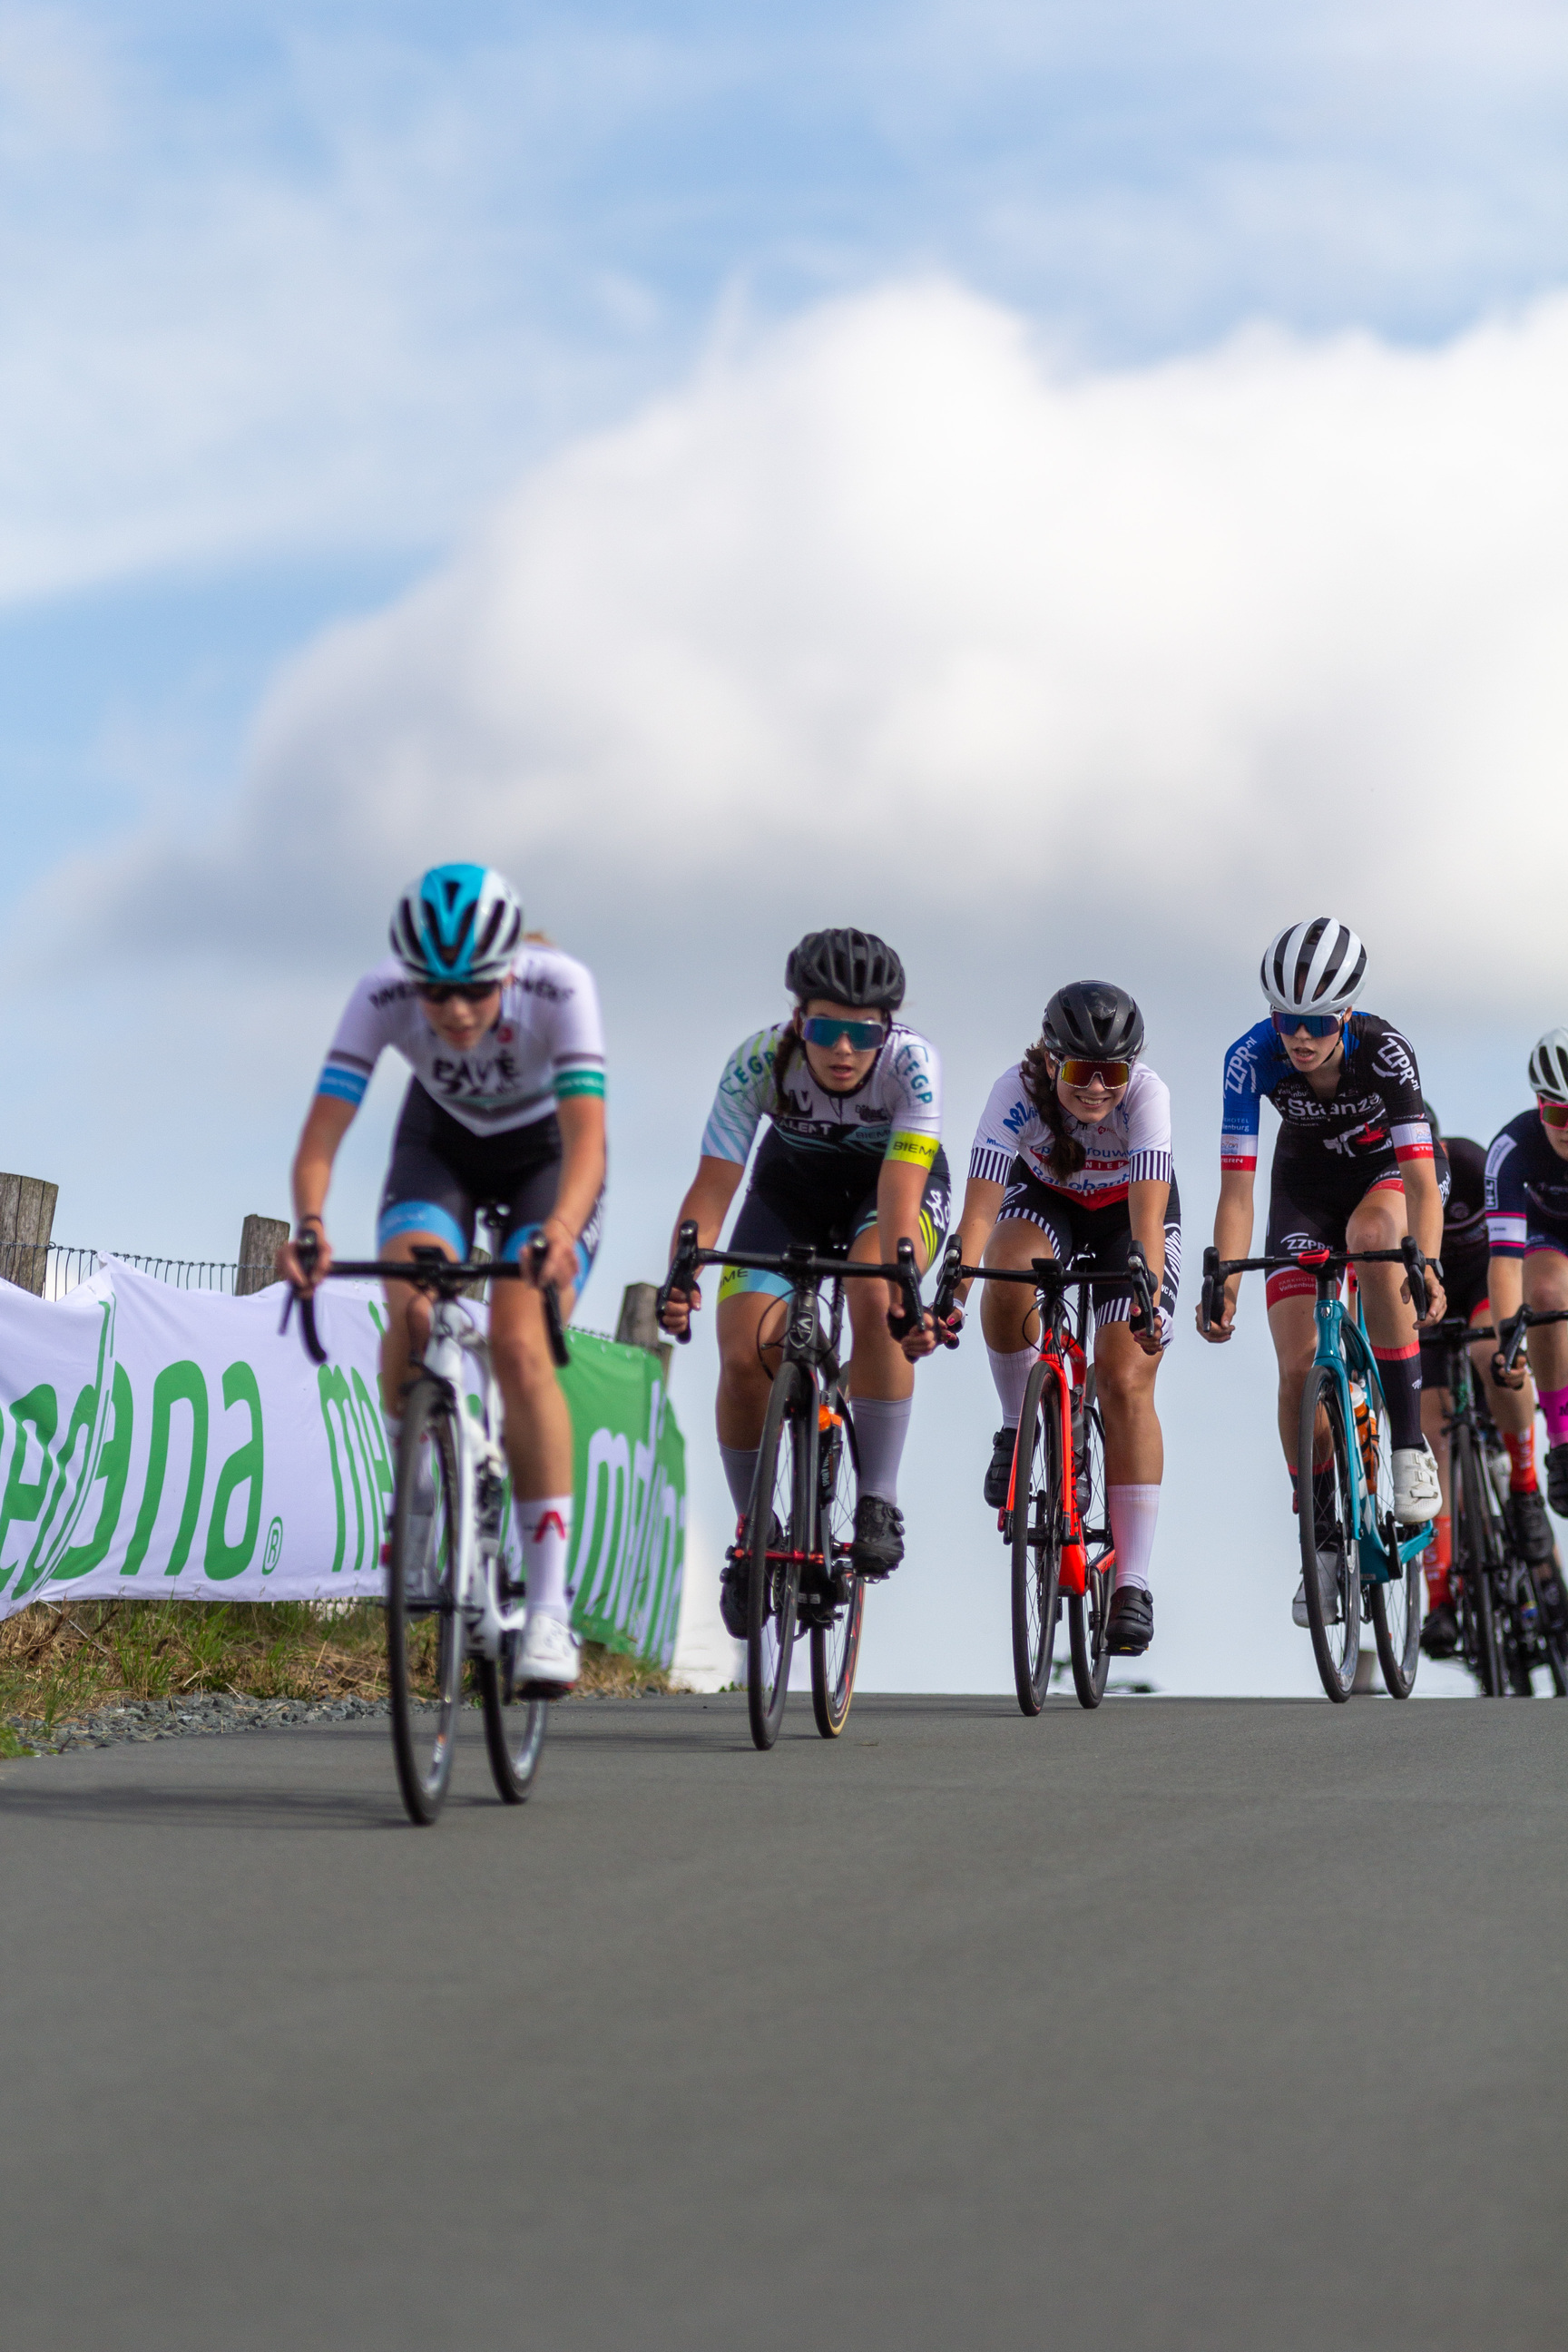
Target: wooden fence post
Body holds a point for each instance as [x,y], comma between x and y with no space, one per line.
[27,1221]
[639,1323]
[260,1239]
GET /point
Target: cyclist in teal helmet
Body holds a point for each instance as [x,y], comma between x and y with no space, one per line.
[505,1110]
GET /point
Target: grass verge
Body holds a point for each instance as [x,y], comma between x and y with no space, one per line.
[59,1660]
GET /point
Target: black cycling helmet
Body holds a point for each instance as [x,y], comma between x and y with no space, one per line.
[845,967]
[1092,1019]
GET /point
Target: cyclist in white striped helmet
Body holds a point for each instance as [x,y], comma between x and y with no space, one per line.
[1352,1169]
[1527,1228]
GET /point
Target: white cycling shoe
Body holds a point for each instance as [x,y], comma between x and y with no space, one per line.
[1416,1494]
[550,1659]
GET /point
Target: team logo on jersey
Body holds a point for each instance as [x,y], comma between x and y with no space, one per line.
[1393,1057]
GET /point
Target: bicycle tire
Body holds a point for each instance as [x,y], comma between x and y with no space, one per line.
[1089,1612]
[1394,1607]
[1554,1647]
[1336,1659]
[836,1648]
[422,1614]
[1037,1530]
[1473,1561]
[774,1586]
[514,1725]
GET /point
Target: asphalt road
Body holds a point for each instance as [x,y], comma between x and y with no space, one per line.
[1186,2024]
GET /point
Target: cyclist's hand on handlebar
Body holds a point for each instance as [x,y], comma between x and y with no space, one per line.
[1223,1326]
[925,1342]
[1437,1298]
[559,1263]
[1149,1338]
[1502,1376]
[680,1305]
[305,1272]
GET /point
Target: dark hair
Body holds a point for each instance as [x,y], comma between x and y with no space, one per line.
[784,1053]
[1067,1154]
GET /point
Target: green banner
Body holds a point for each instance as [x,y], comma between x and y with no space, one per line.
[629,1474]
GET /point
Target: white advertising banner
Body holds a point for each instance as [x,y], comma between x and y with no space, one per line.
[162,1442]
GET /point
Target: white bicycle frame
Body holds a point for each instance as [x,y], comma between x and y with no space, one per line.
[486,1618]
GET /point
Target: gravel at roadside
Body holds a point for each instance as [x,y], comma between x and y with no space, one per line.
[206,1715]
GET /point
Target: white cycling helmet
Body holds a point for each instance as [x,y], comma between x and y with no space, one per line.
[458,924]
[1549,1066]
[1314,967]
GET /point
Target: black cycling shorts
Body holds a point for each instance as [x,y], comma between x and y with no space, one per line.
[1311,1201]
[1103,1235]
[442,1175]
[824,1197]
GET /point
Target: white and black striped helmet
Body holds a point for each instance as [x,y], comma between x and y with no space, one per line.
[1549,1066]
[1314,967]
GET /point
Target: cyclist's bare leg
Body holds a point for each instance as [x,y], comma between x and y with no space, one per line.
[537,1418]
[878,1370]
[1124,1380]
[407,1319]
[1381,1222]
[751,1324]
[1292,1326]
[1546,1290]
[1009,1317]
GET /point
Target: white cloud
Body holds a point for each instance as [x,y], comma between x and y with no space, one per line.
[1276,625]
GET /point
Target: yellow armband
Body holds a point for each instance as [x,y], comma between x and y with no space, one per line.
[919,1151]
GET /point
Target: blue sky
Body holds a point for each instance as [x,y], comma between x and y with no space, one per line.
[325,332]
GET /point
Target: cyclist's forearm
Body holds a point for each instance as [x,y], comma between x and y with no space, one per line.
[1233,1216]
[1424,1206]
[1505,1287]
[977,1221]
[1147,1201]
[326,1123]
[900,1191]
[581,1119]
[708,1200]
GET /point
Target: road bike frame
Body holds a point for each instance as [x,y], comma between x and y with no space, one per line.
[807,1390]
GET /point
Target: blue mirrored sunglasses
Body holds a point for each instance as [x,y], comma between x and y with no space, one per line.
[1316,1024]
[863,1035]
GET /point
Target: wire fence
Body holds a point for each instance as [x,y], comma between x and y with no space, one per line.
[51,1269]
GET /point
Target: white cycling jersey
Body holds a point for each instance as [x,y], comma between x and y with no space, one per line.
[1132,1145]
[895,1113]
[548,1043]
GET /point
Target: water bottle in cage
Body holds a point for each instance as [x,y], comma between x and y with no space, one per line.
[1366,1430]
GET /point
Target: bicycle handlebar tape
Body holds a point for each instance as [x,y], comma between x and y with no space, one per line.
[1415,1262]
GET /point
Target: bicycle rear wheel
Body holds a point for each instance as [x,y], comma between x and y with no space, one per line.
[1554,1640]
[1475,1553]
[835,1647]
[424,1629]
[1395,1606]
[780,1509]
[514,1725]
[1089,1612]
[1038,1518]
[1334,1618]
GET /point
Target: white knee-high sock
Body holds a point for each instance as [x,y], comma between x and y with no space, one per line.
[545,1524]
[1011,1373]
[1134,1513]
[881,1425]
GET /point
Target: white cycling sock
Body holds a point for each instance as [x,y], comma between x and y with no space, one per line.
[545,1526]
[1134,1513]
[881,1425]
[740,1469]
[1011,1373]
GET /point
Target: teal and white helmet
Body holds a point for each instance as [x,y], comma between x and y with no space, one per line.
[458,924]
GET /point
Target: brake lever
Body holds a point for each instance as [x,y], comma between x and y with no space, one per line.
[1210,1299]
[1142,1315]
[914,1313]
[1414,1264]
[1512,1332]
[539,1249]
[944,1304]
[306,1249]
[681,1275]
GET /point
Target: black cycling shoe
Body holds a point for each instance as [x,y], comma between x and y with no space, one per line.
[1440,1634]
[999,1469]
[1130,1628]
[1531,1527]
[1557,1479]
[879,1537]
[735,1578]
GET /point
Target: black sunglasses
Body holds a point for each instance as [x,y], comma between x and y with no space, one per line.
[468,992]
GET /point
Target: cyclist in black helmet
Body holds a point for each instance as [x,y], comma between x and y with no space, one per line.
[1073,1155]
[853,1156]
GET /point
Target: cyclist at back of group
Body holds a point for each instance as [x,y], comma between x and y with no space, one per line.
[1466,1279]
[852,1158]
[1353,1170]
[505,1110]
[1072,1160]
[1527,1227]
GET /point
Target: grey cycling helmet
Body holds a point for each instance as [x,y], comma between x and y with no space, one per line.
[1314,967]
[1549,1066]
[845,967]
[1092,1019]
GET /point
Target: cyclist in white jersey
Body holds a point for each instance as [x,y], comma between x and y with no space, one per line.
[853,1157]
[505,1110]
[1072,1159]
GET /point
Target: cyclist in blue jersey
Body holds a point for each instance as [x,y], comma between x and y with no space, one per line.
[1352,1170]
[505,1110]
[1527,1225]
[852,1156]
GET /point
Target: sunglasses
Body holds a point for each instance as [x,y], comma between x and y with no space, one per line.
[1554,1114]
[862,1034]
[1316,1024]
[466,991]
[1084,1074]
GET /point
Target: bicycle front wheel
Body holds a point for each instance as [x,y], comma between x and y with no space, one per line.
[514,1725]
[778,1534]
[836,1646]
[1089,1612]
[1474,1545]
[1038,1521]
[1395,1606]
[424,1628]
[1331,1565]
